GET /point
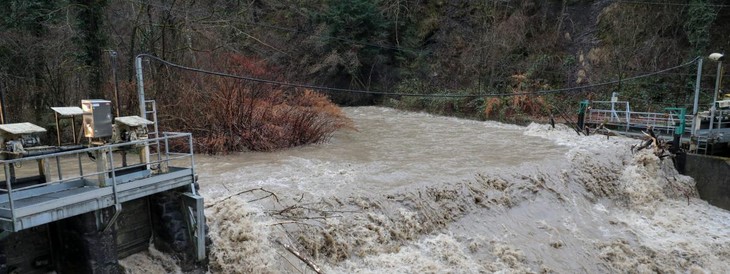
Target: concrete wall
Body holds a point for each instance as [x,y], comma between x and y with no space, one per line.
[712,175]
[78,244]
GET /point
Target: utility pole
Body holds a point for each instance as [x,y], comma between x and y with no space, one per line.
[697,94]
[718,57]
[140,86]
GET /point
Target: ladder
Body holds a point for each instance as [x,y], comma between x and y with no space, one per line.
[702,144]
[156,132]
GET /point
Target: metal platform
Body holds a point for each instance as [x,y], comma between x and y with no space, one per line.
[619,116]
[698,133]
[64,195]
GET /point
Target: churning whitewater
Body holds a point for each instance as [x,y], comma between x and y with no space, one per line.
[416,193]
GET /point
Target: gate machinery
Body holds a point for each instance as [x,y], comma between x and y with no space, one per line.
[89,184]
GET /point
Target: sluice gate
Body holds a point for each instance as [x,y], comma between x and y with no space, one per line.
[75,208]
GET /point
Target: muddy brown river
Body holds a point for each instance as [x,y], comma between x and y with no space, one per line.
[416,193]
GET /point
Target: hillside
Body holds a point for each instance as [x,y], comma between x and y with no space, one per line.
[57,52]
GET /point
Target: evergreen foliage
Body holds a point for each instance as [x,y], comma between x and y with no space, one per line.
[29,15]
[700,17]
[52,52]
[91,40]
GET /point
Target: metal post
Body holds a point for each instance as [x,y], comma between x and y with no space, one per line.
[140,87]
[101,166]
[697,94]
[113,55]
[8,182]
[200,228]
[581,113]
[58,129]
[73,129]
[113,172]
[117,205]
[58,168]
[45,167]
[81,166]
[167,149]
[192,163]
[628,116]
[714,98]
[614,99]
[157,129]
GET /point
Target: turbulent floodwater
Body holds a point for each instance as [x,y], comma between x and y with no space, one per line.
[416,193]
[389,150]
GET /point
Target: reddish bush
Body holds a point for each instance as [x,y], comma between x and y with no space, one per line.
[226,114]
[523,104]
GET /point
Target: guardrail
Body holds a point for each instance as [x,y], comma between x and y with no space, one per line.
[619,114]
[100,176]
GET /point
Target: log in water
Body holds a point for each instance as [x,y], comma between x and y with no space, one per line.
[416,193]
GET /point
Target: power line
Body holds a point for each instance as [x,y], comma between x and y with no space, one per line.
[540,92]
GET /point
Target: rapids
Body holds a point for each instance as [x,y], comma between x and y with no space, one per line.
[416,193]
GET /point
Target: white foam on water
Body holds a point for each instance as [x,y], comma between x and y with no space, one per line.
[241,242]
[534,199]
[440,253]
[150,261]
[683,234]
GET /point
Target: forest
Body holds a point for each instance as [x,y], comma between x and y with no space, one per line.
[360,52]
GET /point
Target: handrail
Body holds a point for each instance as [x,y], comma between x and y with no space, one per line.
[114,176]
[658,120]
[108,150]
[64,153]
[91,175]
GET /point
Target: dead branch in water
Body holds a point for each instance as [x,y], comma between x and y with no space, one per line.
[601,129]
[299,255]
[651,140]
[271,194]
[290,263]
[291,222]
[321,212]
[267,196]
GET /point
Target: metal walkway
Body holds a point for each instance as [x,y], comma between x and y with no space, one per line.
[25,203]
[619,115]
[698,134]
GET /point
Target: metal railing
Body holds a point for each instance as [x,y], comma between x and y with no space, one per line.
[100,175]
[620,114]
[721,119]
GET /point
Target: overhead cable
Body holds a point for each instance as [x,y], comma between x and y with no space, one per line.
[539,92]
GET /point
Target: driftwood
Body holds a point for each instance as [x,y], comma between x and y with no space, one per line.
[301,257]
[271,194]
[651,140]
[601,129]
